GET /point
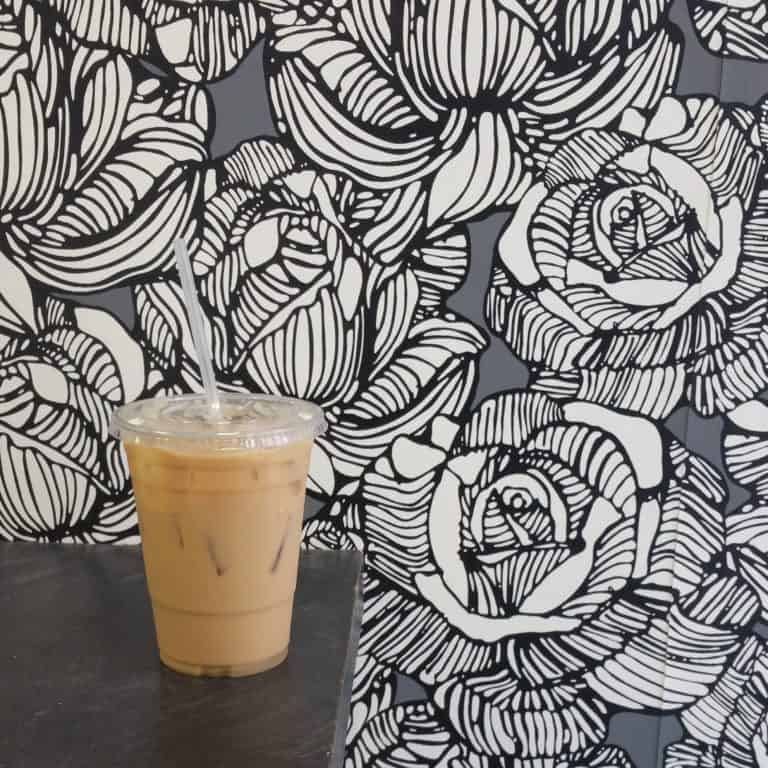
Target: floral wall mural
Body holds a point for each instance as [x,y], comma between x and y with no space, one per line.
[521,262]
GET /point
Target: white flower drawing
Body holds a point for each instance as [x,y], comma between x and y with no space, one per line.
[728,728]
[542,564]
[413,735]
[468,95]
[737,28]
[162,329]
[745,446]
[63,370]
[373,691]
[200,40]
[99,158]
[536,561]
[319,289]
[634,273]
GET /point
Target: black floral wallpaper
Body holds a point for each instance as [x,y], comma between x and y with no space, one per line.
[545,556]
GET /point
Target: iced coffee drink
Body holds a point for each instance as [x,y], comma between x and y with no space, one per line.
[220,502]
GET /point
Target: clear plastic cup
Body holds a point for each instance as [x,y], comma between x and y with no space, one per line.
[220,505]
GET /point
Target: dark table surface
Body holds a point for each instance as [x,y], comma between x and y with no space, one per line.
[81,685]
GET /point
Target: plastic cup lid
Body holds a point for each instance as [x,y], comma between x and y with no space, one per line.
[243,421]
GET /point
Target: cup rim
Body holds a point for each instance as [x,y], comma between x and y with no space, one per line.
[303,420]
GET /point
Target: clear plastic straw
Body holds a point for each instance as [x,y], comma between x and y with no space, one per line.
[199,338]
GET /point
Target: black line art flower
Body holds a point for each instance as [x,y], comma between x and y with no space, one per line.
[200,40]
[99,158]
[317,288]
[541,565]
[63,370]
[745,446]
[536,562]
[734,28]
[373,692]
[728,728]
[414,735]
[466,95]
[634,273]
[162,329]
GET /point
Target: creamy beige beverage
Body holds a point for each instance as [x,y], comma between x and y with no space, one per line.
[220,504]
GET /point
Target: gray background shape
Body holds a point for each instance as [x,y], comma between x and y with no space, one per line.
[242,112]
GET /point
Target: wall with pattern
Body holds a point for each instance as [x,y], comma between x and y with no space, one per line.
[518,251]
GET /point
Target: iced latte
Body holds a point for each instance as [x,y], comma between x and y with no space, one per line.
[220,503]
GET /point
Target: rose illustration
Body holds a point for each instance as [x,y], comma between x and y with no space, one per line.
[541,565]
[373,691]
[413,735]
[745,443]
[162,329]
[63,370]
[734,28]
[199,39]
[100,158]
[745,446]
[316,288]
[728,728]
[367,90]
[633,275]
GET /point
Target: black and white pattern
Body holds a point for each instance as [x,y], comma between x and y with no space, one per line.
[99,157]
[547,564]
[412,735]
[737,28]
[323,290]
[63,369]
[466,97]
[539,559]
[199,40]
[729,726]
[633,273]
